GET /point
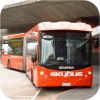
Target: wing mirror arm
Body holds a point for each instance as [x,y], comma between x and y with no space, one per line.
[34,57]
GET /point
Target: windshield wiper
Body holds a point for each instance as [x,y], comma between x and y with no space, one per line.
[51,64]
[76,62]
[55,63]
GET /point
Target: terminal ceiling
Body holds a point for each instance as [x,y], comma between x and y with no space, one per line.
[28,14]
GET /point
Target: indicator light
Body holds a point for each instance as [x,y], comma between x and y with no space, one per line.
[85,75]
[41,73]
[45,76]
[87,81]
[43,82]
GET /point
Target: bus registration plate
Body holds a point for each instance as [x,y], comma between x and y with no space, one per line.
[66,84]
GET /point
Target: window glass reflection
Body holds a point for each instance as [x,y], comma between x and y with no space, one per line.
[31,46]
[13,46]
[66,47]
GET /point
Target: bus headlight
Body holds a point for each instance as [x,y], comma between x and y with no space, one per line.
[89,72]
[41,73]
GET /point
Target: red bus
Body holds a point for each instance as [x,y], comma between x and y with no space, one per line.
[52,54]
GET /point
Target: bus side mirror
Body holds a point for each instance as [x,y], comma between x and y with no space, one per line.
[96,42]
[34,57]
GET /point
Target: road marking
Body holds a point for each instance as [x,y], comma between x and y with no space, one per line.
[55,97]
[36,94]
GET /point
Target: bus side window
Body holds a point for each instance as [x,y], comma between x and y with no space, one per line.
[31,46]
[5,47]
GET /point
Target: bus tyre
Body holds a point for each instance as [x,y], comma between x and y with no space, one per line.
[9,65]
[27,71]
[87,87]
[32,76]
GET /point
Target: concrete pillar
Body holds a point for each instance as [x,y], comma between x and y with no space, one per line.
[95,52]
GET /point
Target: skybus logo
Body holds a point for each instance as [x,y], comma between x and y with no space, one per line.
[65,74]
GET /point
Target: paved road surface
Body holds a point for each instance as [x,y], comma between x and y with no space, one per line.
[16,85]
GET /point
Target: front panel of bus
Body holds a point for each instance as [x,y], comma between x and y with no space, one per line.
[64,58]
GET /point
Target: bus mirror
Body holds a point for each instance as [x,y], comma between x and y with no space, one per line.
[34,57]
[96,42]
[48,37]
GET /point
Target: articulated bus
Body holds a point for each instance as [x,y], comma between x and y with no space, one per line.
[52,54]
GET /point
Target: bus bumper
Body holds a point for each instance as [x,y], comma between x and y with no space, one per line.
[45,82]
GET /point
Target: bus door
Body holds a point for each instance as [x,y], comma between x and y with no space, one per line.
[31,50]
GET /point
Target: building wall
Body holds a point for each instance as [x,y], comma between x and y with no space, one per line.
[96,52]
[95,58]
[0,48]
[96,55]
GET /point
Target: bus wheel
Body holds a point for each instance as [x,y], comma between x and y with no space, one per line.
[87,87]
[9,65]
[32,77]
[27,71]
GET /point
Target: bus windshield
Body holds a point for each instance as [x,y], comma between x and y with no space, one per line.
[65,47]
